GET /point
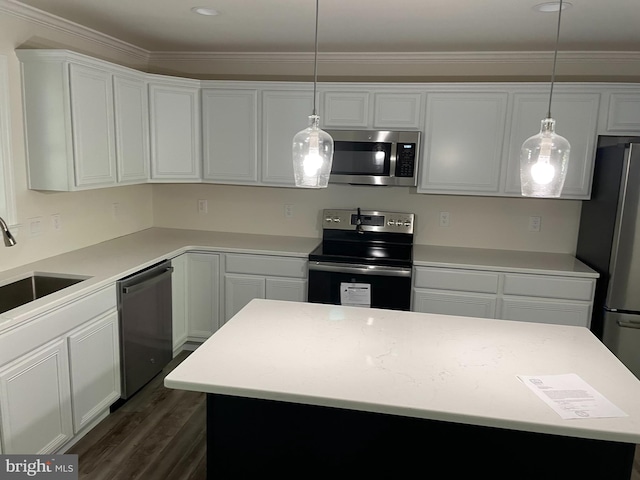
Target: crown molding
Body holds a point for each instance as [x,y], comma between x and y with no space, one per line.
[399,57]
[34,15]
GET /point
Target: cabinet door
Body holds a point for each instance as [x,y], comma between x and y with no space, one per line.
[463,143]
[283,115]
[290,289]
[240,290]
[547,311]
[93,126]
[175,133]
[448,303]
[179,301]
[576,116]
[94,357]
[346,109]
[34,401]
[397,110]
[623,116]
[230,136]
[203,294]
[132,129]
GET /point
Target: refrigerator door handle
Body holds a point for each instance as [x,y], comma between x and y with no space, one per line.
[626,324]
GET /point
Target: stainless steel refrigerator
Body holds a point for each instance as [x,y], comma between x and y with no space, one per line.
[609,242]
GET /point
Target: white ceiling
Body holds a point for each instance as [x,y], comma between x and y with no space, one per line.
[357,25]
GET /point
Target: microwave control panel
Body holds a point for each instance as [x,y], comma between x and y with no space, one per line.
[405,159]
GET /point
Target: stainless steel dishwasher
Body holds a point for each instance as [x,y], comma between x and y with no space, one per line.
[144,309]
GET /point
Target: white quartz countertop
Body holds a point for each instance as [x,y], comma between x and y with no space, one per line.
[501,260]
[448,368]
[109,261]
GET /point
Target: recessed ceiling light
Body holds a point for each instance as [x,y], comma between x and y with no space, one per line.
[204,11]
[551,6]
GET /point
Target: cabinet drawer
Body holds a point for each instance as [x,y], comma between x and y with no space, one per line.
[466,305]
[547,311]
[267,265]
[460,280]
[549,286]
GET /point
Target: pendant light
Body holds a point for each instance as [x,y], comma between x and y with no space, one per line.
[313,147]
[544,157]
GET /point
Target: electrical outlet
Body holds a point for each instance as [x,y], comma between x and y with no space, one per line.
[56,222]
[535,223]
[115,210]
[35,226]
[203,206]
[288,211]
[444,219]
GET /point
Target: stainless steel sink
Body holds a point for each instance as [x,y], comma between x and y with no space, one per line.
[36,286]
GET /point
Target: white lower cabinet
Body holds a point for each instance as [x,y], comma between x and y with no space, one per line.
[195,287]
[179,328]
[546,310]
[94,358]
[35,403]
[262,276]
[449,303]
[240,290]
[60,371]
[557,299]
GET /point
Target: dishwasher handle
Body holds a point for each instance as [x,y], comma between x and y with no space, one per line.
[148,282]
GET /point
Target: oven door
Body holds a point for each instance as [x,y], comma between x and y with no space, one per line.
[362,285]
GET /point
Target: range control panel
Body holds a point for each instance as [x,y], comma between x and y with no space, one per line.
[368,220]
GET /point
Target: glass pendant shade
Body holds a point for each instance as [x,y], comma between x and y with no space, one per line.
[312,155]
[543,162]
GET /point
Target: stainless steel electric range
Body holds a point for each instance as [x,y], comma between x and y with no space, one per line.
[365,259]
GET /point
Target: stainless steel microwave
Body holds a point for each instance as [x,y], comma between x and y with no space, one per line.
[375,157]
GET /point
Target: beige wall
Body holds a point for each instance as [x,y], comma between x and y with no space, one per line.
[86,217]
[485,222]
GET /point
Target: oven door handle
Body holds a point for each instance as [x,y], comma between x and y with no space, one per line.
[360,269]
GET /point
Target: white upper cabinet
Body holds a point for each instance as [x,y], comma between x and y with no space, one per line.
[400,111]
[284,113]
[132,128]
[174,106]
[372,109]
[473,139]
[346,109]
[623,114]
[463,141]
[230,135]
[576,116]
[69,115]
[92,120]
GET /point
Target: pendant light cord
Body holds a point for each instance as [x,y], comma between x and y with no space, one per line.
[555,57]
[315,60]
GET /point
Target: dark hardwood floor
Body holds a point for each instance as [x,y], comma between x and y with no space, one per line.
[159,434]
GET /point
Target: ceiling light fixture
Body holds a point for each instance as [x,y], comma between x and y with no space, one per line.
[551,6]
[544,157]
[204,11]
[313,147]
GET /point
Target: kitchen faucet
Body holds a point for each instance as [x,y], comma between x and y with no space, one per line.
[9,241]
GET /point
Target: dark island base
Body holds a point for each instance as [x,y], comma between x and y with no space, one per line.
[249,438]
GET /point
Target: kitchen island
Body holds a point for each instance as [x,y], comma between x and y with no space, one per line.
[308,389]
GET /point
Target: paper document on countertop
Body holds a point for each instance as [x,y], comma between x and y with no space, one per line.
[570,396]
